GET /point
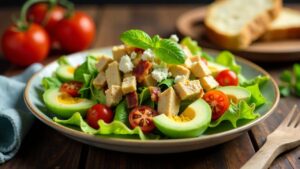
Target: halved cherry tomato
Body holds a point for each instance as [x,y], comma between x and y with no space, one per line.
[142,116]
[76,32]
[24,47]
[43,14]
[97,112]
[227,78]
[218,101]
[72,88]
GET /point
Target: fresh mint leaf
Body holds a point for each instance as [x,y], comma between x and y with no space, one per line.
[156,39]
[191,45]
[137,38]
[227,59]
[169,52]
[286,76]
[284,90]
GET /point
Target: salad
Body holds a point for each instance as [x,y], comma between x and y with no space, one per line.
[152,88]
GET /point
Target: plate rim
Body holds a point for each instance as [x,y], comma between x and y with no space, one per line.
[151,143]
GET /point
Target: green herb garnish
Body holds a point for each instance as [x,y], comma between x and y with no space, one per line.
[290,81]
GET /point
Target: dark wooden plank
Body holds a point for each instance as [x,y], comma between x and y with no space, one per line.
[229,155]
[260,132]
[159,19]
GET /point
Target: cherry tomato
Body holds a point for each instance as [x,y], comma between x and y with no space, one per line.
[42,14]
[142,116]
[218,101]
[97,112]
[72,88]
[76,32]
[227,78]
[24,47]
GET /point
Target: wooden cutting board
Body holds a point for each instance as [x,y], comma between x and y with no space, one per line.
[191,24]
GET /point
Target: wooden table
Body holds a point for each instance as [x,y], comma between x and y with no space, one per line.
[44,147]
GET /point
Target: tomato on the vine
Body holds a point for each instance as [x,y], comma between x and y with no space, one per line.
[76,32]
[218,101]
[97,112]
[142,117]
[227,78]
[25,46]
[72,88]
[46,15]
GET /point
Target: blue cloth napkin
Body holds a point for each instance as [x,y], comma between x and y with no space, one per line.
[15,118]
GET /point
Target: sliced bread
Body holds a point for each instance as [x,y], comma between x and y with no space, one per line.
[234,24]
[285,26]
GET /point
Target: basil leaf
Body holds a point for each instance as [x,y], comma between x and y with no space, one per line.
[191,45]
[144,95]
[169,52]
[165,84]
[226,58]
[137,38]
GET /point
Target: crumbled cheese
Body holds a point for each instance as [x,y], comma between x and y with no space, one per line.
[148,55]
[174,38]
[160,74]
[126,64]
[179,78]
[133,55]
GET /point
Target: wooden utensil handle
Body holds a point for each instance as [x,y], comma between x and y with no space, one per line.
[264,157]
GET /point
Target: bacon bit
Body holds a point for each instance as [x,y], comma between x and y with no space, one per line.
[142,69]
[132,100]
[139,50]
[154,92]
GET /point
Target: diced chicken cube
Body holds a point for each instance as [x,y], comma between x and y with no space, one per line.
[103,62]
[208,83]
[200,69]
[129,84]
[118,52]
[177,70]
[188,89]
[149,81]
[112,74]
[168,102]
[100,80]
[113,95]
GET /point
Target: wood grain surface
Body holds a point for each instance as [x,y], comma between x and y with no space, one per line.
[45,148]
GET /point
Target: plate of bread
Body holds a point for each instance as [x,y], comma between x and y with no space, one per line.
[259,30]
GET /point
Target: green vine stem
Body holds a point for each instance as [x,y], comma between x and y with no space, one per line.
[69,6]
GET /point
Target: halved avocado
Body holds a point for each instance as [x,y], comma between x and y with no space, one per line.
[64,105]
[65,73]
[215,68]
[236,93]
[196,118]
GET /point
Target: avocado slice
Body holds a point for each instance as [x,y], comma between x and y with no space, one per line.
[236,93]
[65,73]
[215,68]
[64,105]
[198,114]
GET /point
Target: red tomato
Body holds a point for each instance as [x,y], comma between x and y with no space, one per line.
[76,32]
[142,116]
[97,112]
[72,88]
[218,101]
[48,17]
[227,78]
[25,47]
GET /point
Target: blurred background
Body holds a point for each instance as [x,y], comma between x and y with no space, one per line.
[20,2]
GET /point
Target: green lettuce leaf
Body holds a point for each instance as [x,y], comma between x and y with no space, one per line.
[256,96]
[260,80]
[63,61]
[115,127]
[50,82]
[227,59]
[191,45]
[98,95]
[237,112]
[86,68]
